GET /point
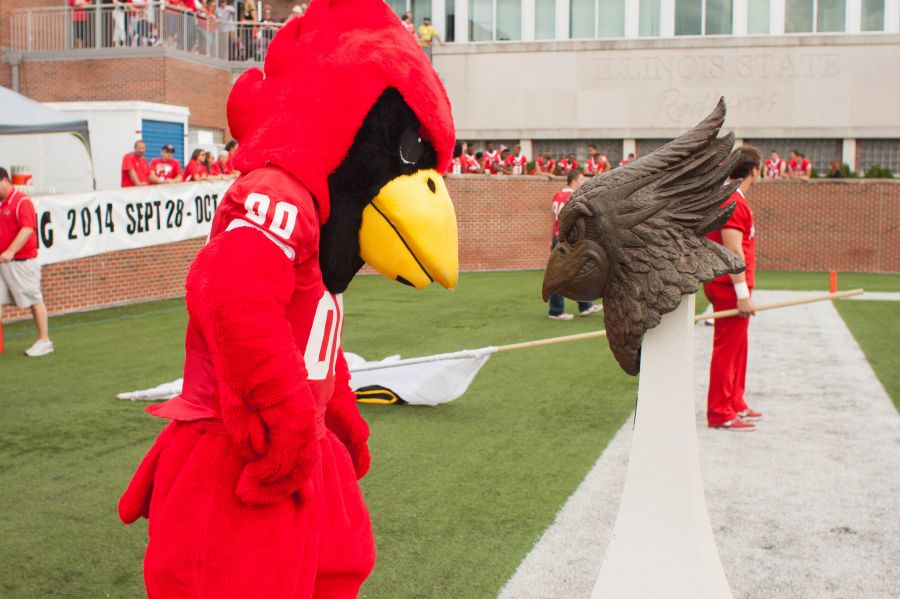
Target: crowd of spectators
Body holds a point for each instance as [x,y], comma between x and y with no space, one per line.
[511,161]
[230,29]
[798,167]
[227,29]
[203,165]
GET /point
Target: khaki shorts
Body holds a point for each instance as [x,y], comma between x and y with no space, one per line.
[20,282]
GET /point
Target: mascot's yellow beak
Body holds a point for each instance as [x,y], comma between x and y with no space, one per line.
[408,231]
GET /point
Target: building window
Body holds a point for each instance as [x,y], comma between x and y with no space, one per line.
[509,20]
[758,17]
[798,16]
[581,18]
[544,19]
[645,146]
[596,18]
[831,15]
[873,15]
[814,16]
[648,18]
[450,21]
[717,19]
[398,6]
[481,20]
[611,18]
[688,17]
[703,17]
[879,152]
[491,20]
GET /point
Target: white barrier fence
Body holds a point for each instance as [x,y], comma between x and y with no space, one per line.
[87,224]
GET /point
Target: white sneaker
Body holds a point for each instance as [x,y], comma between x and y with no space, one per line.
[592,310]
[40,348]
[563,316]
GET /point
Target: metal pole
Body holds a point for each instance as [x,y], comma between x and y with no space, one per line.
[98,26]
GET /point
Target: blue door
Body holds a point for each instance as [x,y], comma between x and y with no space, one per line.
[156,134]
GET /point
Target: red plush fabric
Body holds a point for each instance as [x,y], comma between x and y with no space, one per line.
[237,291]
[205,542]
[344,420]
[247,492]
[323,73]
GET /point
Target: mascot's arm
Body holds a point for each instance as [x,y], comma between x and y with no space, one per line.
[344,420]
[240,285]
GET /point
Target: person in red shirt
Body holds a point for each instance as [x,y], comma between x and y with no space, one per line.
[135,169]
[574,179]
[231,147]
[455,167]
[566,165]
[799,167]
[469,161]
[81,22]
[210,163]
[490,159]
[20,273]
[627,160]
[515,162]
[544,165]
[726,408]
[165,169]
[596,164]
[774,167]
[222,167]
[195,169]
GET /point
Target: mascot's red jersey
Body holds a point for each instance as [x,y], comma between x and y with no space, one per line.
[251,491]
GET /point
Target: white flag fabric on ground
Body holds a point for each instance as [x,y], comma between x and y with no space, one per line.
[160,392]
[427,381]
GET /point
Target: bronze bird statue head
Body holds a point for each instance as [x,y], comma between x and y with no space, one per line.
[636,236]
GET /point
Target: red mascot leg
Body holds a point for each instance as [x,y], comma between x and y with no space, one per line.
[347,549]
[206,543]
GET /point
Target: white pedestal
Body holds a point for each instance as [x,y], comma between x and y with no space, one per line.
[662,544]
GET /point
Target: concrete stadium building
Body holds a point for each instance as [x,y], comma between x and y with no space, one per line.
[817,75]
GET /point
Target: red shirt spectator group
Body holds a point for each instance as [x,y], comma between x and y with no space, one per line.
[166,169]
[511,161]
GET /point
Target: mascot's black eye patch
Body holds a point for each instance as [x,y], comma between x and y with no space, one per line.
[411,146]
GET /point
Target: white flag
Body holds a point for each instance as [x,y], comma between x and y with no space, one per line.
[426,381]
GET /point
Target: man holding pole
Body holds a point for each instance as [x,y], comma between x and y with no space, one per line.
[726,408]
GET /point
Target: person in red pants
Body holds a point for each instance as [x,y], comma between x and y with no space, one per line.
[726,408]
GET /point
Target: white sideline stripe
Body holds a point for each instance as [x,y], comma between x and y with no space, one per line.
[805,506]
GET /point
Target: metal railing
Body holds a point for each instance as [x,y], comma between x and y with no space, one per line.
[122,25]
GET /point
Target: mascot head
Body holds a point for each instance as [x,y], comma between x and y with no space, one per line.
[351,107]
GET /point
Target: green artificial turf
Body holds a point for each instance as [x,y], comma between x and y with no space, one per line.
[876,327]
[458,493]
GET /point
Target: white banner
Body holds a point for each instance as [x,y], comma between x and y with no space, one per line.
[86,224]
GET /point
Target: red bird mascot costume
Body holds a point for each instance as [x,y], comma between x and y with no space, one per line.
[251,491]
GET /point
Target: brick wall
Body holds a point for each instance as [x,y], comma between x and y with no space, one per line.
[505,223]
[203,89]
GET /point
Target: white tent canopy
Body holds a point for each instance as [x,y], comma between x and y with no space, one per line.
[23,116]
